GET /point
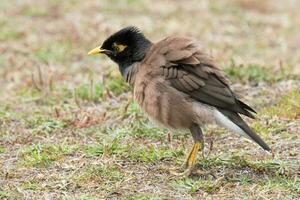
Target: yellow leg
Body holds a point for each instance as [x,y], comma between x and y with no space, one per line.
[191,159]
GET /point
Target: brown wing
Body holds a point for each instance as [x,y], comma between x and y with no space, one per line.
[192,72]
[186,68]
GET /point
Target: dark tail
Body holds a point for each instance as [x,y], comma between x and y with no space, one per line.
[245,109]
[236,119]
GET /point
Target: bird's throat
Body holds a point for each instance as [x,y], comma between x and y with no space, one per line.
[128,68]
[129,72]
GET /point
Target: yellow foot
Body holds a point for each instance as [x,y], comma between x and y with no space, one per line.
[180,173]
[190,161]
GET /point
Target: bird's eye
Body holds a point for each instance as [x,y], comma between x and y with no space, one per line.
[119,47]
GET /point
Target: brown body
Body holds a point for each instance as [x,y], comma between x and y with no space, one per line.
[178,85]
[155,93]
[160,101]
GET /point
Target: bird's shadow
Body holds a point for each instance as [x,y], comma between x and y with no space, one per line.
[213,173]
[238,168]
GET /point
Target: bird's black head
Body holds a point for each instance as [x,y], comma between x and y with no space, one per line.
[124,47]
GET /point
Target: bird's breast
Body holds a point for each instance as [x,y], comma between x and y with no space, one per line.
[163,103]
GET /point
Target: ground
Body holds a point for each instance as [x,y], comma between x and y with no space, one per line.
[70,130]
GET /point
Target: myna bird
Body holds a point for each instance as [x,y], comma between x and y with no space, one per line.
[178,85]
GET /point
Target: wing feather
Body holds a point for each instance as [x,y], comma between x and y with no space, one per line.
[194,73]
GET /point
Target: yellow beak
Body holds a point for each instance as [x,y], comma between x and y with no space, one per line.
[96,51]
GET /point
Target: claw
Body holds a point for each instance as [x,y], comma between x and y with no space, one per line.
[190,162]
[185,173]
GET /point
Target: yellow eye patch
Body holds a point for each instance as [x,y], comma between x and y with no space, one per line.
[119,47]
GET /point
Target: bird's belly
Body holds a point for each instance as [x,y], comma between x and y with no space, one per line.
[165,105]
[204,114]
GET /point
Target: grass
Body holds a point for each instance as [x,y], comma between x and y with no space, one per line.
[69,128]
[88,91]
[2,149]
[52,51]
[256,73]
[144,197]
[116,84]
[121,148]
[43,155]
[100,173]
[10,35]
[288,106]
[193,186]
[41,125]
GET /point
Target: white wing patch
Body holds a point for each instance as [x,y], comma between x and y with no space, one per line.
[208,114]
[227,123]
